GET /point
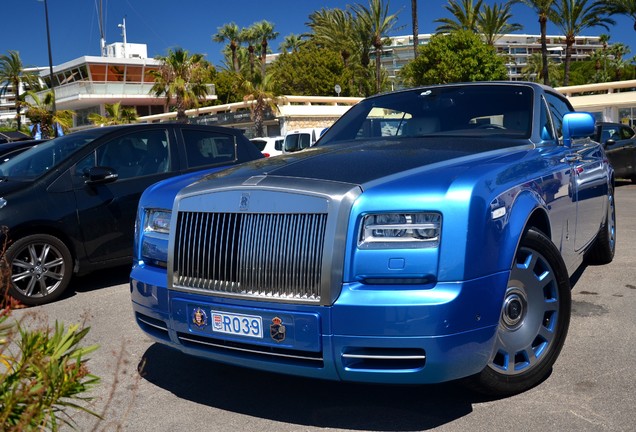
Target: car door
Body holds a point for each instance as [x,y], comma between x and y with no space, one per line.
[588,183]
[106,206]
[591,191]
[621,151]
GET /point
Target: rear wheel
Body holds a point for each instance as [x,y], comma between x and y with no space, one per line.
[534,320]
[602,252]
[41,267]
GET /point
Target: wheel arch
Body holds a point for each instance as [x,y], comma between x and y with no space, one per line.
[527,212]
[14,233]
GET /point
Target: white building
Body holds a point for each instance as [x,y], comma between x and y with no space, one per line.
[86,84]
[7,99]
[516,47]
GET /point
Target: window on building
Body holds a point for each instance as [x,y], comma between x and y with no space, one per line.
[115,73]
[133,74]
[98,72]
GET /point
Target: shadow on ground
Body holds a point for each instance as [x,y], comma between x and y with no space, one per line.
[98,279]
[306,402]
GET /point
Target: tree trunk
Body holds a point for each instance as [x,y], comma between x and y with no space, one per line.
[544,50]
[568,60]
[415,28]
[263,56]
[18,105]
[378,68]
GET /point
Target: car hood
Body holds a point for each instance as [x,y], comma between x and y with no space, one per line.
[365,162]
[170,187]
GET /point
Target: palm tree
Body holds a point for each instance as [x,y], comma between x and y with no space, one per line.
[230,33]
[259,91]
[378,22]
[604,40]
[465,16]
[622,7]
[492,22]
[574,16]
[41,111]
[533,70]
[618,63]
[542,9]
[334,29]
[181,78]
[250,36]
[264,30]
[115,114]
[599,58]
[12,74]
[291,43]
[414,25]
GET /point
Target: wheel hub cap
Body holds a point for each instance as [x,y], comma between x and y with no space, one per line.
[514,310]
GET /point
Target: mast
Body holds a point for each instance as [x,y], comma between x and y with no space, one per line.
[123,33]
[102,37]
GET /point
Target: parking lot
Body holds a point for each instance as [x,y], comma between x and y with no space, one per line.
[592,386]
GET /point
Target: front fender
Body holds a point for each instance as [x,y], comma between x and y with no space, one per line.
[526,208]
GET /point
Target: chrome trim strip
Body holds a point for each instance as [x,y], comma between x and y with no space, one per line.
[165,329]
[385,357]
[272,354]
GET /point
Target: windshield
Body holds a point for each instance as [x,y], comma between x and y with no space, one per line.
[455,111]
[34,162]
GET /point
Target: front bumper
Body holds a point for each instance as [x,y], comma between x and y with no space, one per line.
[379,334]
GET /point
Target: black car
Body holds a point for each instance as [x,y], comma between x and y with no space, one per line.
[12,149]
[69,204]
[619,141]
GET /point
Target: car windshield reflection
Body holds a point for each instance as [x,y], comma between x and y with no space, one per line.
[40,159]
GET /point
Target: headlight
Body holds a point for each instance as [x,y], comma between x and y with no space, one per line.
[390,230]
[157,221]
[154,238]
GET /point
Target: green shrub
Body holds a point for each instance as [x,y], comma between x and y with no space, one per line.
[43,371]
[43,375]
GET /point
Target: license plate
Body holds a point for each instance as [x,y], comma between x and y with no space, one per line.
[236,324]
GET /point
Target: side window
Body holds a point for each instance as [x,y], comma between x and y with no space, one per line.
[133,155]
[626,132]
[558,108]
[208,148]
[547,128]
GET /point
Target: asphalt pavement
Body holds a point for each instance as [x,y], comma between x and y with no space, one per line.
[592,386]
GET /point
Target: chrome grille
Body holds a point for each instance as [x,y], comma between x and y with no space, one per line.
[275,256]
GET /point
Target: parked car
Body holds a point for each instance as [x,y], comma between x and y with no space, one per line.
[69,204]
[300,139]
[620,146]
[11,149]
[429,236]
[269,146]
[13,136]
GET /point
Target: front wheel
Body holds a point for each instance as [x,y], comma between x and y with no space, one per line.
[604,247]
[41,267]
[534,320]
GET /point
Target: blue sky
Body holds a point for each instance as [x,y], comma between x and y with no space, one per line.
[190,24]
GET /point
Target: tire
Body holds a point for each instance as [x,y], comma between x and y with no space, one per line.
[41,269]
[534,320]
[604,247]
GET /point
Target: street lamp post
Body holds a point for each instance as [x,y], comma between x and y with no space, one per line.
[48,42]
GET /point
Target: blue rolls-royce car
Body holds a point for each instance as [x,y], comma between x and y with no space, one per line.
[430,235]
